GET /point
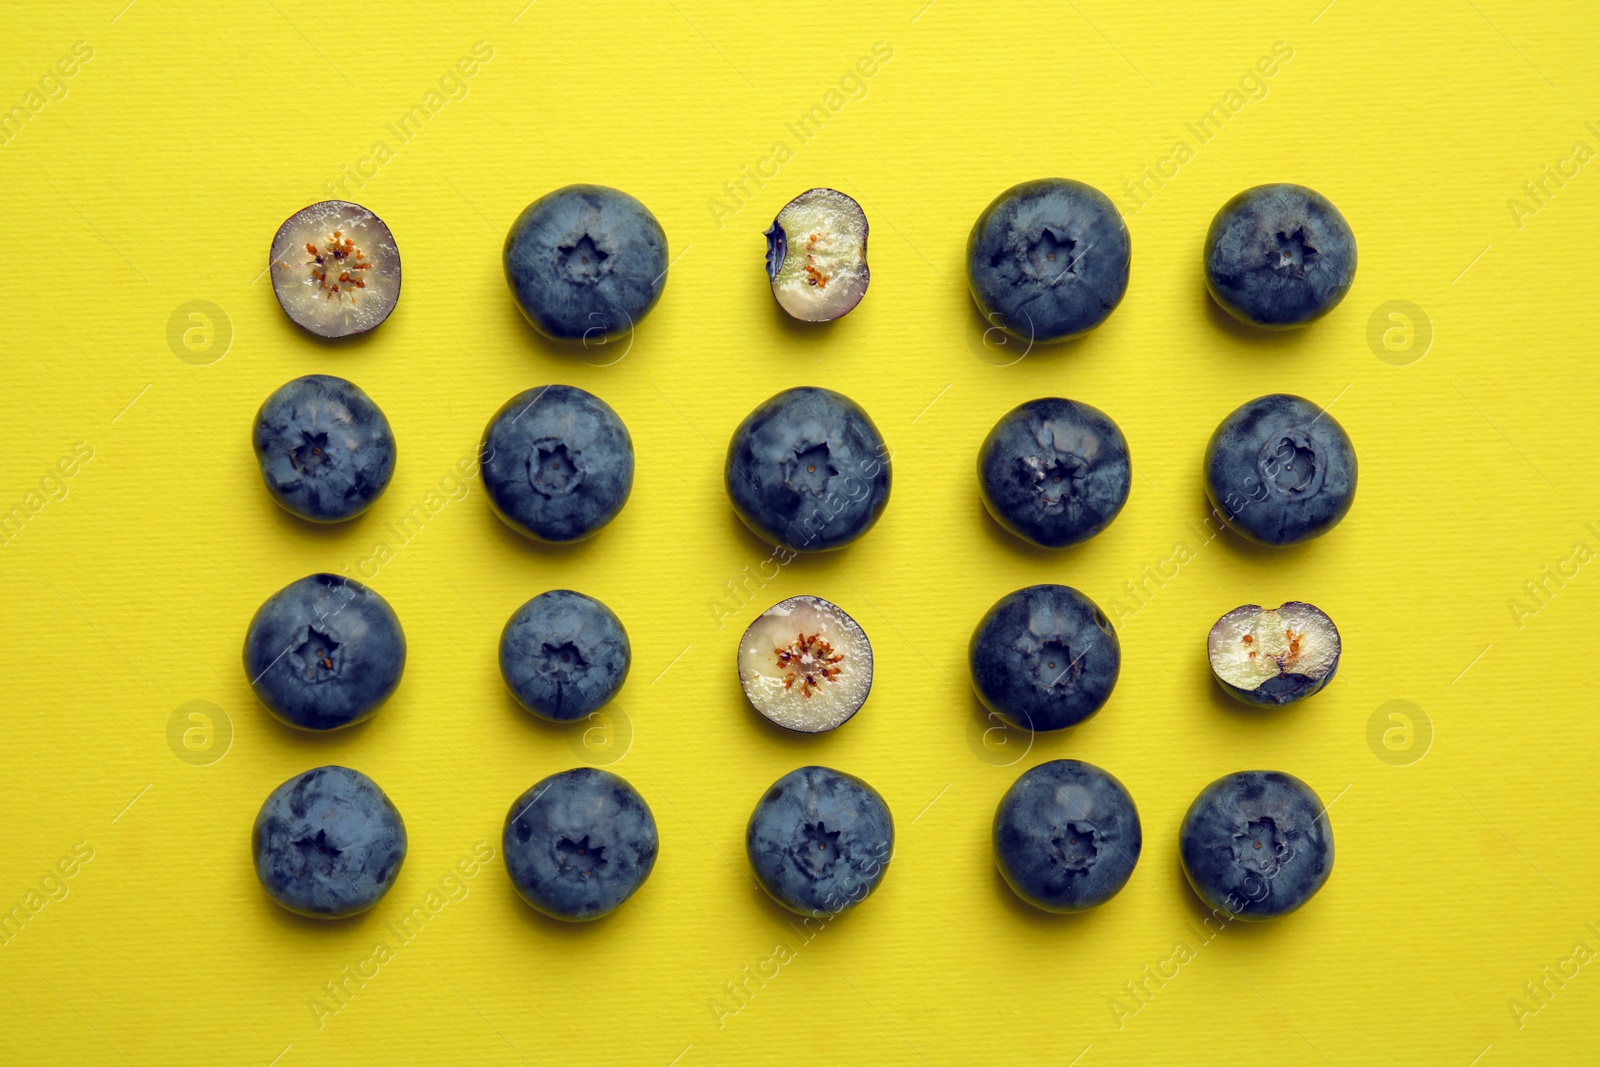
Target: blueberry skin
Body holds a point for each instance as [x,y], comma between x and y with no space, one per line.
[808,469]
[1048,259]
[820,841]
[564,654]
[579,843]
[325,449]
[328,843]
[1054,472]
[1256,844]
[1279,256]
[324,652]
[585,262]
[1066,836]
[558,463]
[1044,658]
[1280,470]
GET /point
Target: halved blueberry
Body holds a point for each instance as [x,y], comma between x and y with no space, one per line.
[1256,844]
[325,449]
[335,268]
[1066,836]
[328,843]
[1279,256]
[585,262]
[324,652]
[1273,656]
[1048,259]
[817,255]
[805,664]
[820,841]
[1054,472]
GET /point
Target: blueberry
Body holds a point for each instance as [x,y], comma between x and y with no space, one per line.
[557,462]
[585,262]
[1054,472]
[326,451]
[1256,844]
[564,654]
[579,843]
[817,255]
[335,269]
[1066,836]
[806,664]
[324,652]
[820,840]
[1273,656]
[1048,259]
[1280,470]
[328,843]
[1044,658]
[1279,256]
[808,470]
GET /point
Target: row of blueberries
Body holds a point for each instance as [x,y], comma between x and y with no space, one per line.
[1047,260]
[329,843]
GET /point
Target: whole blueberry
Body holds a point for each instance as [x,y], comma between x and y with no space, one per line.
[820,840]
[564,654]
[328,843]
[1280,470]
[1270,657]
[323,652]
[1054,472]
[585,262]
[1044,657]
[1048,259]
[1279,256]
[1066,836]
[1256,844]
[579,843]
[558,463]
[808,470]
[326,451]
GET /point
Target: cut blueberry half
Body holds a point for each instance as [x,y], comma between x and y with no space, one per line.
[335,268]
[1273,656]
[806,664]
[817,255]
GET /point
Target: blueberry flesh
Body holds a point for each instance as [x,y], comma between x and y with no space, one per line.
[1270,657]
[1279,256]
[579,843]
[325,449]
[1256,844]
[324,652]
[808,470]
[1066,836]
[805,664]
[1048,259]
[335,269]
[585,262]
[328,843]
[564,654]
[817,255]
[1054,472]
[820,841]
[1044,658]
[558,463]
[1280,470]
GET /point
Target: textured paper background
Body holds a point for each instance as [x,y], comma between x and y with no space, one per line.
[155,176]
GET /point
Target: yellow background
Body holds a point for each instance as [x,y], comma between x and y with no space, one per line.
[159,179]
